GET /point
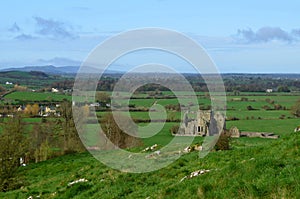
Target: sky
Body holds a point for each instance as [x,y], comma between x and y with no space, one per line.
[239,36]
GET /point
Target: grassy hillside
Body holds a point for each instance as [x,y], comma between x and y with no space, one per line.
[253,168]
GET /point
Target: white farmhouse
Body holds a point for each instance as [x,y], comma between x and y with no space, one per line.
[54,90]
[269,90]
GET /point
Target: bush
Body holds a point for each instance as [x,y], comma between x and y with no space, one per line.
[233,118]
[250,108]
[173,107]
[295,109]
[270,101]
[278,107]
[266,107]
[244,99]
[224,141]
[174,129]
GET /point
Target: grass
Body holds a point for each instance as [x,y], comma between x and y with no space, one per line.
[263,114]
[253,168]
[266,170]
[36,97]
[259,101]
[279,127]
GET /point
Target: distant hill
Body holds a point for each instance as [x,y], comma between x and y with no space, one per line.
[23,75]
[54,70]
[46,69]
[32,79]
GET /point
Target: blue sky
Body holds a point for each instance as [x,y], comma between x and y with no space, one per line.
[253,36]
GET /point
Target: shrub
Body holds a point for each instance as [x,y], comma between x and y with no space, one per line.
[233,118]
[278,107]
[244,99]
[173,107]
[295,109]
[174,129]
[250,108]
[224,141]
[270,101]
[282,117]
[266,107]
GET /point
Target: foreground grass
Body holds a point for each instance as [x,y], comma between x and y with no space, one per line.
[253,168]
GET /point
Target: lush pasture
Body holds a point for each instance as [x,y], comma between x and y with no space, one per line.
[36,96]
[259,101]
[255,114]
[280,127]
[253,168]
[257,170]
[161,138]
[249,120]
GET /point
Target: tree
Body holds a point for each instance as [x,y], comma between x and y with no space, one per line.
[35,109]
[102,98]
[236,92]
[223,142]
[283,89]
[295,109]
[2,90]
[71,139]
[116,135]
[43,137]
[20,88]
[86,110]
[174,129]
[13,146]
[28,109]
[32,109]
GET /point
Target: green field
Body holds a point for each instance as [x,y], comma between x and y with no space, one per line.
[36,96]
[253,168]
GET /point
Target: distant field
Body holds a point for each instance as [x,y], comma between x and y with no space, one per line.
[277,121]
[280,127]
[263,114]
[259,101]
[35,96]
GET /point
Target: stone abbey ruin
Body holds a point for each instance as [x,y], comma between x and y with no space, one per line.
[208,123]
